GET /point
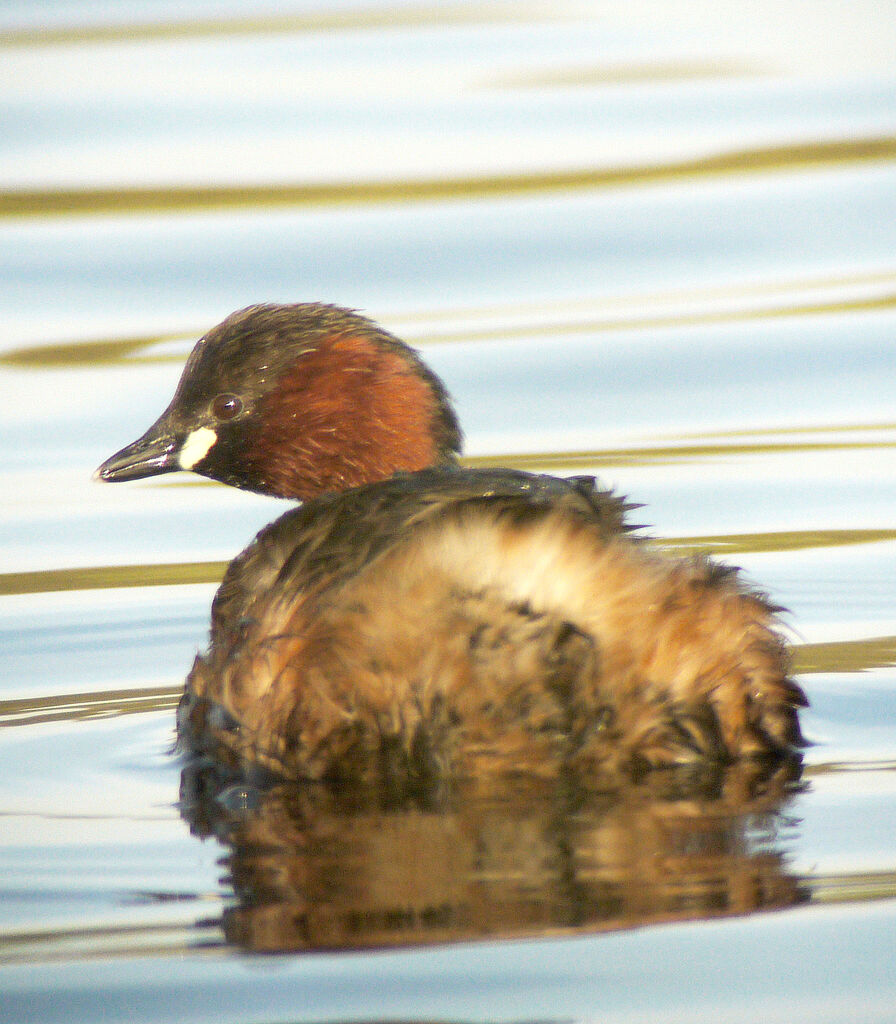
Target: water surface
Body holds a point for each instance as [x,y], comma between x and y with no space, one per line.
[635,242]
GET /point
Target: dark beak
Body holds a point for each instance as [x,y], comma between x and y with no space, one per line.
[153,454]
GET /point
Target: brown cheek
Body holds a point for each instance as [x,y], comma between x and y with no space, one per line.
[357,415]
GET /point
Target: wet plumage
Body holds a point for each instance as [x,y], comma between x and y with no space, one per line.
[414,621]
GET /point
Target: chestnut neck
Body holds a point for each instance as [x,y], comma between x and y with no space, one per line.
[353,409]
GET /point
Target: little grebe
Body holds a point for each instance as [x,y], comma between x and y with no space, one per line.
[413,620]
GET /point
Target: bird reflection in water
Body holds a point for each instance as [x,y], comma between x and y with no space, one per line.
[313,869]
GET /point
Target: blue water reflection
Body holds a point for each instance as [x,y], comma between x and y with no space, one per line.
[710,329]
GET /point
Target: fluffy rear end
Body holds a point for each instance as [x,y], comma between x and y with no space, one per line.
[488,642]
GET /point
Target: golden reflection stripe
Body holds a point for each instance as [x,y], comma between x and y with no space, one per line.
[45,581]
[68,707]
[101,577]
[385,17]
[92,201]
[82,943]
[659,321]
[854,887]
[627,74]
[105,352]
[682,296]
[102,352]
[668,455]
[845,655]
[840,428]
[784,540]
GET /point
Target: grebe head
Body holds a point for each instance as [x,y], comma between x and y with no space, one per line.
[296,401]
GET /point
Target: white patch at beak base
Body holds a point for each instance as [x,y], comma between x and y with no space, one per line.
[198,444]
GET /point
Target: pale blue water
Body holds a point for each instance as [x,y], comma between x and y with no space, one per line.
[718,345]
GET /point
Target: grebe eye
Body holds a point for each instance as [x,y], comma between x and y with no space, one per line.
[226,407]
